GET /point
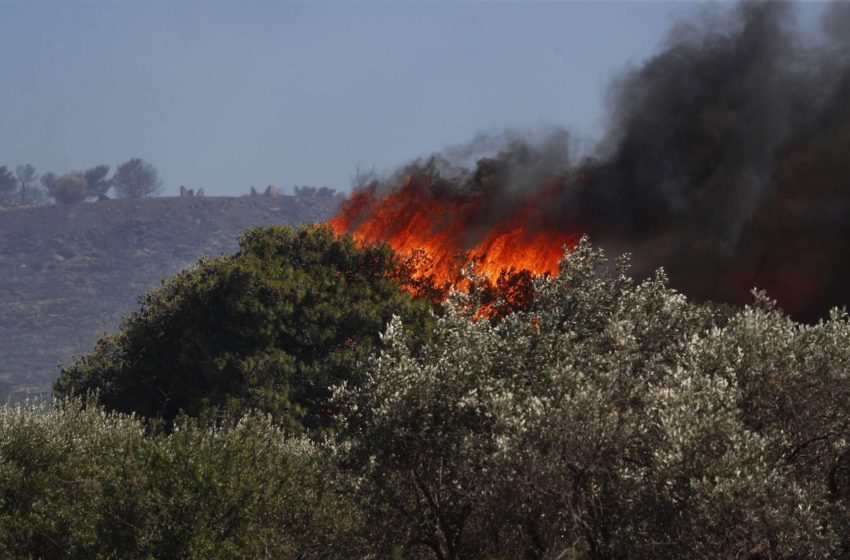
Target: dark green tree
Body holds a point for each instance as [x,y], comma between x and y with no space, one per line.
[136,178]
[271,327]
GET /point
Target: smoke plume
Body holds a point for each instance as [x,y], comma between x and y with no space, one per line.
[726,161]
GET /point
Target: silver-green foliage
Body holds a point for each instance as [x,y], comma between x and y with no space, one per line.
[78,482]
[612,419]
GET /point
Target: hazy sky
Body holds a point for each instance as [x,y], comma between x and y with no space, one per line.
[226,95]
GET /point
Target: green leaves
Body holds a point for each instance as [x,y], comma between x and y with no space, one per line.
[272,328]
[608,418]
[79,483]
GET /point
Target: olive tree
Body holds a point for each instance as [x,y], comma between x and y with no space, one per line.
[78,482]
[610,419]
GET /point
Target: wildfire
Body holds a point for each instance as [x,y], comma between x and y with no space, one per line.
[443,232]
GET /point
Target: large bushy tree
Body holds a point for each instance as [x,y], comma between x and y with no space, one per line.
[271,327]
[611,419]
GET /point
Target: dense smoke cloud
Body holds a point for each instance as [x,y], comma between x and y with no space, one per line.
[726,160]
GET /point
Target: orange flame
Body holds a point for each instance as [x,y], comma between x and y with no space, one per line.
[449,231]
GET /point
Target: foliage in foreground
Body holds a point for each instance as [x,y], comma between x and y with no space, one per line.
[611,419]
[77,482]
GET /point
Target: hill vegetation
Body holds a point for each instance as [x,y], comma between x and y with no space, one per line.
[606,418]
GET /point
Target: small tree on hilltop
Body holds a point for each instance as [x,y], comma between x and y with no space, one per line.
[136,178]
[69,189]
[96,182]
[27,183]
[48,181]
[8,186]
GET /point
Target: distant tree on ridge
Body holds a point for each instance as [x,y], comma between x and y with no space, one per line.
[8,186]
[96,182]
[27,181]
[136,178]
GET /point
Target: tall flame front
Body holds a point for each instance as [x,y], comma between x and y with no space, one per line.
[448,232]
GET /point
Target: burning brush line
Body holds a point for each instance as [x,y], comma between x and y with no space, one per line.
[726,161]
[450,231]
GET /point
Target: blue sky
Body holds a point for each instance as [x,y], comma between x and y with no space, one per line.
[226,95]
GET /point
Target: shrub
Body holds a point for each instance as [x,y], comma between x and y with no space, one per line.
[69,189]
[78,482]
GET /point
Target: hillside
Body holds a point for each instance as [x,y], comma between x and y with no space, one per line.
[68,273]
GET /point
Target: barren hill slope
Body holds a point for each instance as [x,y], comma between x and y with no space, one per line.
[68,273]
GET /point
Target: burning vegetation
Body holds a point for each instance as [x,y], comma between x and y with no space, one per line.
[441,229]
[725,162]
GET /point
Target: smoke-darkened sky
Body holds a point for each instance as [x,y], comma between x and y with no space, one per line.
[724,160]
[227,95]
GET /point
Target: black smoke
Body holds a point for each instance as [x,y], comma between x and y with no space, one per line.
[726,161]
[729,160]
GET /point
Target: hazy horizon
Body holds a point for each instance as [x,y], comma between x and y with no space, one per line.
[226,96]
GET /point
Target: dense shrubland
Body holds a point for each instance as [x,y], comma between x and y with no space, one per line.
[609,418]
[78,482]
